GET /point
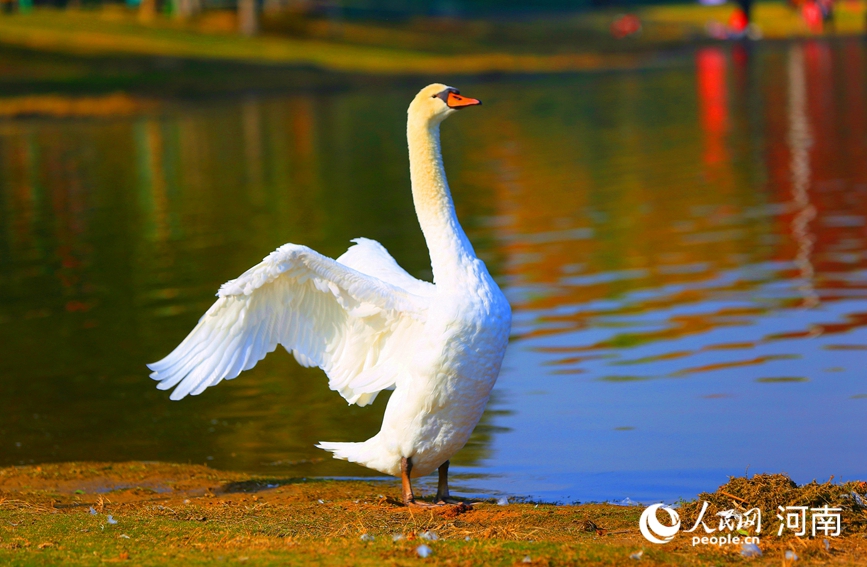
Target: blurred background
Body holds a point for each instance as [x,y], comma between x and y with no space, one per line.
[673,197]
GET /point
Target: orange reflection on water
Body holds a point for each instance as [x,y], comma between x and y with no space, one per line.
[673,223]
[711,67]
[589,220]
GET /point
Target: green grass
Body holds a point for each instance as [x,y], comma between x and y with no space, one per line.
[418,47]
[776,19]
[92,33]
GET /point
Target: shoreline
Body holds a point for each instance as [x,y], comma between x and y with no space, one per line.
[580,41]
[156,513]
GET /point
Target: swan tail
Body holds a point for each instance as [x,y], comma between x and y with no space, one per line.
[367,454]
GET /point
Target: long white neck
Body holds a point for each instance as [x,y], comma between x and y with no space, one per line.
[449,247]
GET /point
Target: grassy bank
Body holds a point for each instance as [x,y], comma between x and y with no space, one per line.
[420,47]
[147,513]
[114,33]
[107,51]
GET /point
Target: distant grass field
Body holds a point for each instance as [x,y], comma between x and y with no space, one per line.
[86,33]
[775,19]
[416,47]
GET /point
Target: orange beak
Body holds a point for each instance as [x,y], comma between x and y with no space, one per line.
[458,101]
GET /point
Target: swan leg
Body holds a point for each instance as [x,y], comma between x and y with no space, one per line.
[443,496]
[406,483]
[443,483]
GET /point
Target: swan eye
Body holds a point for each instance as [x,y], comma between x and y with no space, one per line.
[444,95]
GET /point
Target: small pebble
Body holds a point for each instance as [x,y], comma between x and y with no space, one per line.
[791,556]
[526,559]
[398,537]
[468,538]
[321,501]
[92,511]
[637,555]
[423,551]
[428,535]
[504,501]
[750,550]
[367,537]
[111,519]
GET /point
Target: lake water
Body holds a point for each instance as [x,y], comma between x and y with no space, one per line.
[684,246]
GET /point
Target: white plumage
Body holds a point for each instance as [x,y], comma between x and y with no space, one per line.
[370,325]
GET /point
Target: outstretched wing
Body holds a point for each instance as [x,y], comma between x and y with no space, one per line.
[371,258]
[356,327]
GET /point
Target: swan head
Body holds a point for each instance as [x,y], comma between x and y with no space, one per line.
[436,102]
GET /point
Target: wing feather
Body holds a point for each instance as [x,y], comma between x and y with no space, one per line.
[370,257]
[326,313]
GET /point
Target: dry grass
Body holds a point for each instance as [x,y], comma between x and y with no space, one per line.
[767,492]
[191,515]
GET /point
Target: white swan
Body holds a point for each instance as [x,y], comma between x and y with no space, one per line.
[371,326]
